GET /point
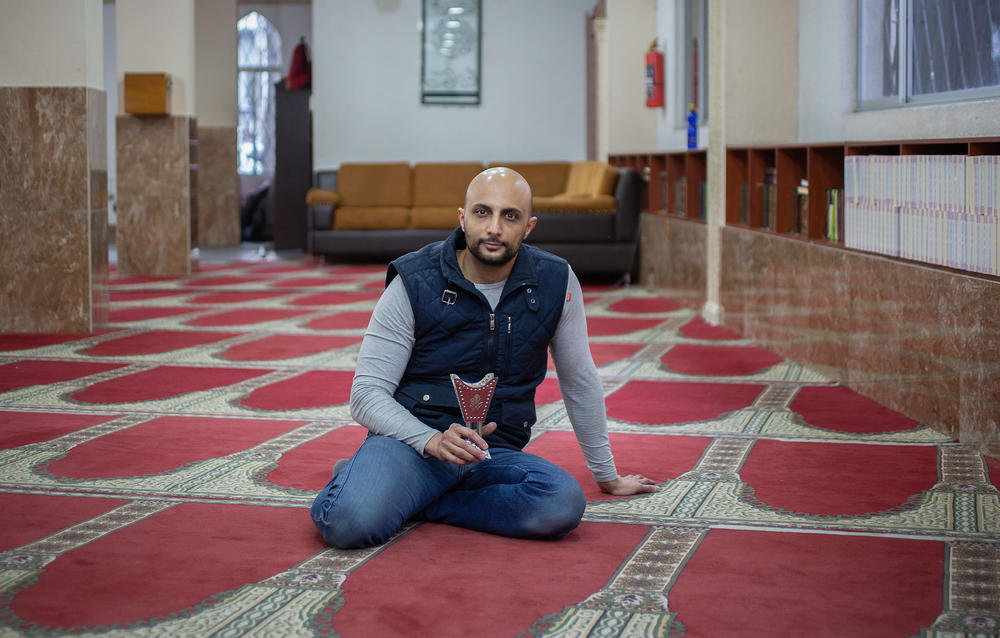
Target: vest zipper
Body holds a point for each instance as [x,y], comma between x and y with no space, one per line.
[506,363]
[491,351]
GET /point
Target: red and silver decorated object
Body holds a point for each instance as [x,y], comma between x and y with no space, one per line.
[474,399]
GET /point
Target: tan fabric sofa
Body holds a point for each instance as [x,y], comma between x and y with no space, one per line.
[588,211]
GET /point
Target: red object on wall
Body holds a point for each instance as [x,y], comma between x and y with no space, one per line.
[300,71]
[654,78]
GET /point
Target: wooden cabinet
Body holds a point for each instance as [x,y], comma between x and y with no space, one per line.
[147,93]
[674,181]
[292,167]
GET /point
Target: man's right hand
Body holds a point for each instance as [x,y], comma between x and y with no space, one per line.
[455,445]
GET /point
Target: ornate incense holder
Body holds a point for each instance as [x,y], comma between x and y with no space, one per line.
[474,400]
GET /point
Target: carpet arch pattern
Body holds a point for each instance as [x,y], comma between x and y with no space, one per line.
[155,477]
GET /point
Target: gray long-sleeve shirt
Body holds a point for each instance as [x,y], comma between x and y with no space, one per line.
[388,343]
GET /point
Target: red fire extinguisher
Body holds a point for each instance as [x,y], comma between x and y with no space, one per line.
[654,77]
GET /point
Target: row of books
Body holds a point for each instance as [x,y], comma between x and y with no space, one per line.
[933,235]
[941,209]
[769,204]
[835,214]
[769,190]
[955,239]
[680,198]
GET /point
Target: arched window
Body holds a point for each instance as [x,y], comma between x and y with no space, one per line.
[259,60]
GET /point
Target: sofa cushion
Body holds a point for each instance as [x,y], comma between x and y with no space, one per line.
[316,196]
[591,178]
[441,183]
[374,184]
[604,204]
[371,218]
[434,217]
[545,178]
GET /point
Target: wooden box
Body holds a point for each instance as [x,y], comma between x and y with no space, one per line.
[147,93]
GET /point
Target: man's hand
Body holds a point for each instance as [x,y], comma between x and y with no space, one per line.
[455,445]
[629,485]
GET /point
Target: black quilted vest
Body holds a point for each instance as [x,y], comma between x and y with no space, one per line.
[456,331]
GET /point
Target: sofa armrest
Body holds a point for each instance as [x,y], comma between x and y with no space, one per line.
[322,200]
[627,191]
[319,216]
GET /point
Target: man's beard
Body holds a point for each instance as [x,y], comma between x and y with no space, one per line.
[504,257]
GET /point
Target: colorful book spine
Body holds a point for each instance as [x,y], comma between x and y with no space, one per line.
[939,209]
[982,212]
[835,214]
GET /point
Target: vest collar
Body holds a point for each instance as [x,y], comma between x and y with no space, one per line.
[523,272]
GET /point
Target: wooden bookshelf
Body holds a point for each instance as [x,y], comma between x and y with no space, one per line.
[674,181]
[749,170]
[783,189]
[825,172]
[822,168]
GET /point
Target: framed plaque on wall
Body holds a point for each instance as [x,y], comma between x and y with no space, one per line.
[450,52]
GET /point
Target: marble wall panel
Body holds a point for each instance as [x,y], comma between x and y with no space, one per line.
[154,195]
[53,209]
[97,154]
[99,274]
[218,187]
[43,133]
[45,284]
[672,253]
[923,341]
[193,184]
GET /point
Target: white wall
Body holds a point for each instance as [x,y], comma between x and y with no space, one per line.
[215,50]
[762,72]
[671,127]
[366,85]
[760,67]
[631,28]
[827,94]
[51,43]
[158,37]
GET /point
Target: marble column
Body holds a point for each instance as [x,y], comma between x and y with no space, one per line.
[218,187]
[156,214]
[53,169]
[215,107]
[716,189]
[157,155]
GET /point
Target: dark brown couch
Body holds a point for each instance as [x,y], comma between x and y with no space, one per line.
[588,212]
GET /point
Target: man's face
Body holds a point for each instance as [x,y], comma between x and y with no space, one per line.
[497,217]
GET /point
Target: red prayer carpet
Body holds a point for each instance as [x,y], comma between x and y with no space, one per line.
[156,476]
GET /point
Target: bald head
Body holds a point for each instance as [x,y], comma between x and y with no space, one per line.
[501,182]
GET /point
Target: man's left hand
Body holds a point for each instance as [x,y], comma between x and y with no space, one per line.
[629,485]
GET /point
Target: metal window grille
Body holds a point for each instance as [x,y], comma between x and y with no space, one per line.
[925,51]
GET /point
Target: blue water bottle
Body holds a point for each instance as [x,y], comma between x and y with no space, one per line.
[692,127]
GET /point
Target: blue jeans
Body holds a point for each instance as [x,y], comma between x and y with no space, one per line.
[387,483]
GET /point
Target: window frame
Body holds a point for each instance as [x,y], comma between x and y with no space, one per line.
[274,72]
[904,72]
[688,26]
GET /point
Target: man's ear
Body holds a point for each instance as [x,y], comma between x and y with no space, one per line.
[461,218]
[531,226]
